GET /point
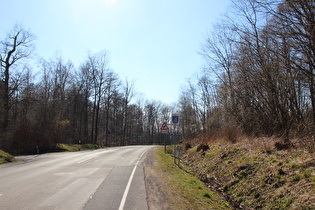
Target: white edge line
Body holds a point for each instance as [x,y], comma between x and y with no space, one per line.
[123,200]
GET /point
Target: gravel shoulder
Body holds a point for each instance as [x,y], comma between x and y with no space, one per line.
[153,179]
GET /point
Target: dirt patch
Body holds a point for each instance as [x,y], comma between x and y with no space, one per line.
[156,199]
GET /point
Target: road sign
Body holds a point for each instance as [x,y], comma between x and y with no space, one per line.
[164,127]
[175,118]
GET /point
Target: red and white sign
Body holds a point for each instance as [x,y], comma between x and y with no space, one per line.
[164,127]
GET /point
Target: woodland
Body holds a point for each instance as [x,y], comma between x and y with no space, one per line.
[258,81]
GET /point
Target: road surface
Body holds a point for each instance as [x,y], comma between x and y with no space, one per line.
[109,178]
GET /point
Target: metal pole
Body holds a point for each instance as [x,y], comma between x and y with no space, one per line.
[165,143]
[174,142]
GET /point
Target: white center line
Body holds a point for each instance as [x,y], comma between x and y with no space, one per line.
[81,161]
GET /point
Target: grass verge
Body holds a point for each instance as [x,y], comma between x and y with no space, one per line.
[183,190]
[256,178]
[5,157]
[78,147]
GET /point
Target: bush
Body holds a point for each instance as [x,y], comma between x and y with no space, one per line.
[27,139]
[231,133]
[308,144]
[202,147]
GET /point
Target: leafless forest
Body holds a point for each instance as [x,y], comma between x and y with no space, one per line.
[258,81]
[260,74]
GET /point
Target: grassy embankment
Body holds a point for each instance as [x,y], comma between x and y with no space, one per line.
[250,175]
[183,190]
[5,157]
[255,174]
[78,147]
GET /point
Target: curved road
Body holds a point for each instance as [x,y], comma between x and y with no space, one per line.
[109,178]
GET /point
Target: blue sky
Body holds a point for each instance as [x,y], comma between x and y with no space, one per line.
[153,42]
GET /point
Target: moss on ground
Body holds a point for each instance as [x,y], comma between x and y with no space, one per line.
[6,157]
[77,147]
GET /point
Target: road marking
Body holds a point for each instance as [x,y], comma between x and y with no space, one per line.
[81,161]
[123,200]
[142,154]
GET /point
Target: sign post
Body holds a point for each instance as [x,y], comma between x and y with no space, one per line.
[164,129]
[175,121]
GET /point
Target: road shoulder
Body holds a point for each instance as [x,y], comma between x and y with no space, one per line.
[156,199]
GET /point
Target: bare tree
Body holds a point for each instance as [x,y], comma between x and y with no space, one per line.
[128,94]
[17,46]
[85,89]
[263,58]
[99,67]
[188,114]
[112,83]
[300,23]
[151,124]
[207,99]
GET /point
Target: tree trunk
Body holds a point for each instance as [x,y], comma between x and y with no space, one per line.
[6,106]
[312,95]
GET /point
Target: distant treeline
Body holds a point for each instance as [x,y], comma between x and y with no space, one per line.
[64,104]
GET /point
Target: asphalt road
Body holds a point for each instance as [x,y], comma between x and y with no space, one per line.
[110,178]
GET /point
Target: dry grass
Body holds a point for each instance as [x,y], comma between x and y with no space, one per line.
[253,173]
